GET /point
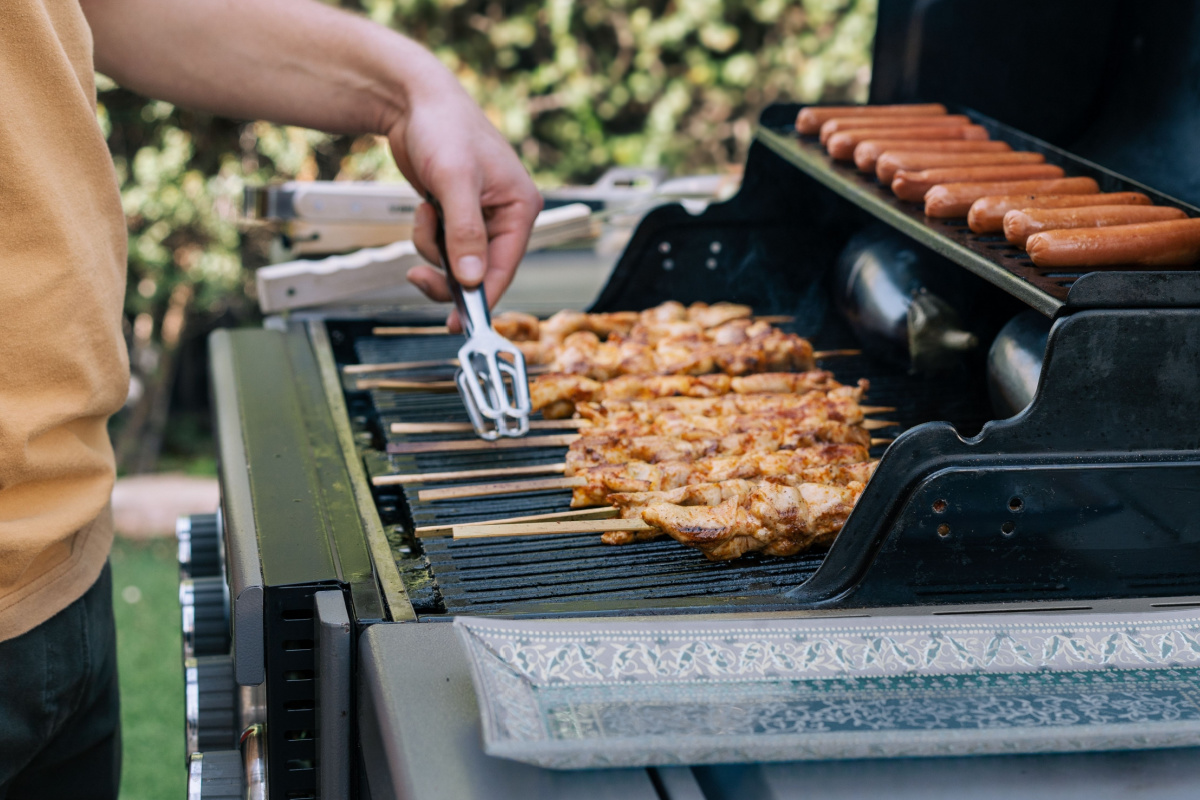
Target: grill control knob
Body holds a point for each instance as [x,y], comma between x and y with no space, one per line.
[216,775]
[210,694]
[204,603]
[199,538]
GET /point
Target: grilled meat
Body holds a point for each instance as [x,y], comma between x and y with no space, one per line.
[557,394]
[632,504]
[641,476]
[774,519]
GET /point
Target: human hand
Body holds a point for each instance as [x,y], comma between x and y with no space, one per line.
[447,148]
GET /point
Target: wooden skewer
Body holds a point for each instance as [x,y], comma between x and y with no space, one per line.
[408,330]
[507,487]
[441,330]
[459,445]
[542,528]
[835,353]
[407,386]
[362,369]
[465,427]
[875,442]
[579,514]
[876,424]
[467,474]
[395,366]
[868,410]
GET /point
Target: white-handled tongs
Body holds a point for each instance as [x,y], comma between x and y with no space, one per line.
[495,390]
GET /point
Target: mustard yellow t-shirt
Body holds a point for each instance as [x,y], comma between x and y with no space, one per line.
[63,364]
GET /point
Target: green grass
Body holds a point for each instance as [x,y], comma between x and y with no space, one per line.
[148,656]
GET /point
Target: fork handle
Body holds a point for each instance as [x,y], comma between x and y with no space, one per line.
[471,303]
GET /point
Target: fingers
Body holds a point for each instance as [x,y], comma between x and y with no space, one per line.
[424,234]
[466,232]
[431,282]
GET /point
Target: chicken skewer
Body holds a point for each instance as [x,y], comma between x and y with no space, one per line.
[776,518]
[617,447]
[747,349]
[556,395]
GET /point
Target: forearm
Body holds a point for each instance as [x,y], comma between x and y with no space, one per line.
[291,61]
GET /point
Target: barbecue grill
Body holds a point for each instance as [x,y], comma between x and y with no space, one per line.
[1084,500]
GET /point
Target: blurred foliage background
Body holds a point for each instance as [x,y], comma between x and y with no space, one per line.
[576,86]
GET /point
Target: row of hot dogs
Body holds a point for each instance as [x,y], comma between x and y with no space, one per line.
[942,160]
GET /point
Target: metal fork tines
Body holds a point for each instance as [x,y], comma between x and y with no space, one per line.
[494,389]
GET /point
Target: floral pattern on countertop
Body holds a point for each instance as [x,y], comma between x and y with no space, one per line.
[578,694]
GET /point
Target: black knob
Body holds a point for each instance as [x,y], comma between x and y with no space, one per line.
[210,694]
[204,603]
[216,775]
[199,538]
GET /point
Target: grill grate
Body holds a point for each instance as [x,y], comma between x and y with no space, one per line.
[490,576]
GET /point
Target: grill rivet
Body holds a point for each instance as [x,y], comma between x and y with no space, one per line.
[1016,504]
[939,506]
[664,247]
[1008,528]
[711,263]
[943,530]
[715,247]
[668,264]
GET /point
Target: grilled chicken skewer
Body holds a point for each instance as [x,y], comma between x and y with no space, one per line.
[736,348]
[592,486]
[619,447]
[774,519]
[519,327]
[557,394]
[630,505]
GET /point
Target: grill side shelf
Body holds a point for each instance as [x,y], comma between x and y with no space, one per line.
[988,256]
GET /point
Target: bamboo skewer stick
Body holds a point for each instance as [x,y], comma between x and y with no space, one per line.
[876,424]
[396,366]
[543,528]
[459,445]
[409,330]
[875,442]
[465,427]
[835,353]
[467,474]
[507,487]
[362,369]
[869,410]
[406,386]
[442,330]
[578,514]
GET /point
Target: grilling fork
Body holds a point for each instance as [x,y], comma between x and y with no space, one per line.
[494,390]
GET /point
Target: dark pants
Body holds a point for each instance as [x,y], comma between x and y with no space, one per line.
[60,727]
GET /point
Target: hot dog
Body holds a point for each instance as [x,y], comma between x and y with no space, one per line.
[950,200]
[912,186]
[892,161]
[811,118]
[987,213]
[870,150]
[1019,225]
[841,145]
[835,124]
[1150,244]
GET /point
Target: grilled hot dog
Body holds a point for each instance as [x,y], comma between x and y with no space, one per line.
[912,186]
[1175,243]
[987,213]
[868,151]
[951,200]
[835,124]
[811,118]
[892,161]
[1019,225]
[841,145]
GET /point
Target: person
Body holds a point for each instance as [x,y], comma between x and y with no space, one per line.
[63,362]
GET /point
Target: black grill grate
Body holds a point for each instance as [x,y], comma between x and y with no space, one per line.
[495,575]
